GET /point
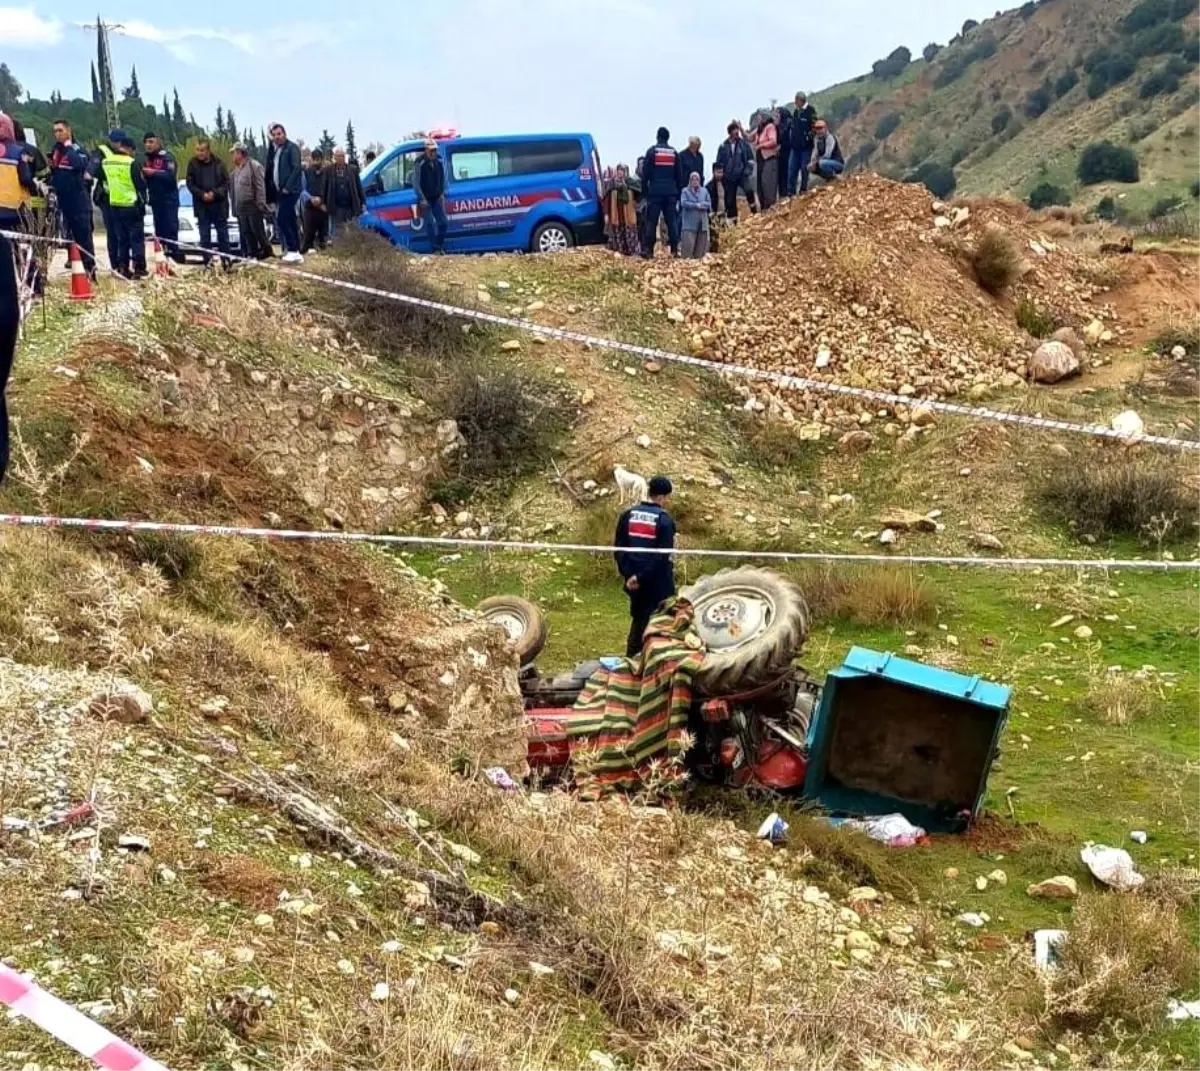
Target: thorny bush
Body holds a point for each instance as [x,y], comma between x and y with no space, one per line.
[995,261]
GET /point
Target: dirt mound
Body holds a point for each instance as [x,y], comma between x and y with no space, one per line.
[869,283]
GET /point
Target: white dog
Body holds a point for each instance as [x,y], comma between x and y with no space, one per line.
[630,484]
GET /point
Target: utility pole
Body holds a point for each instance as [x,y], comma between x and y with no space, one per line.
[104,70]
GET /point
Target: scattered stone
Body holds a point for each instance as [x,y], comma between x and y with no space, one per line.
[539,970]
[381,991]
[1178,352]
[998,877]
[1067,335]
[587,397]
[333,517]
[1053,361]
[264,921]
[823,358]
[1083,633]
[128,704]
[1059,887]
[950,872]
[489,928]
[643,441]
[345,967]
[511,996]
[1066,619]
[653,367]
[981,883]
[862,894]
[1092,332]
[986,541]
[1129,424]
[511,345]
[923,417]
[461,851]
[904,520]
[972,918]
[855,442]
[941,222]
[133,842]
[887,537]
[166,875]
[1058,450]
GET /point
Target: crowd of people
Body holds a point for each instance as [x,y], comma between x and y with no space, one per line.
[303,196]
[775,158]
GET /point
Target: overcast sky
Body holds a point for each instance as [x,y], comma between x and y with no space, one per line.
[615,68]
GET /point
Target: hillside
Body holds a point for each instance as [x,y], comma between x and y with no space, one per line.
[293,858]
[1012,102]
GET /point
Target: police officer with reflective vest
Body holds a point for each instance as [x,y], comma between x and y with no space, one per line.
[162,180]
[16,178]
[69,180]
[124,189]
[662,179]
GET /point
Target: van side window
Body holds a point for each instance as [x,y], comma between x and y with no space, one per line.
[516,158]
[397,173]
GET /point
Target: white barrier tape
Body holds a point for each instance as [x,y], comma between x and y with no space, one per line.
[86,1036]
[22,520]
[66,243]
[792,382]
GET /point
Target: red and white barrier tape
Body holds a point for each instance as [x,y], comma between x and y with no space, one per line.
[650,352]
[86,1036]
[95,524]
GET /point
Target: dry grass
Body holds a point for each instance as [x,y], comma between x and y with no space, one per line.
[995,260]
[1126,954]
[873,595]
[854,262]
[1118,699]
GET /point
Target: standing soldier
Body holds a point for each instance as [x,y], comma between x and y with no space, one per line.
[662,180]
[649,577]
[162,180]
[69,180]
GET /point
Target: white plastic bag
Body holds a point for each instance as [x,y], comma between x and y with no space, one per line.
[1113,866]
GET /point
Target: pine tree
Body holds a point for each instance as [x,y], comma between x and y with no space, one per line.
[326,144]
[251,144]
[219,130]
[231,127]
[132,91]
[166,114]
[10,89]
[178,119]
[264,146]
[95,85]
[351,148]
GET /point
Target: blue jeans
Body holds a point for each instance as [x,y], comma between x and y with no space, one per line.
[798,171]
[286,223]
[434,215]
[828,169]
[658,205]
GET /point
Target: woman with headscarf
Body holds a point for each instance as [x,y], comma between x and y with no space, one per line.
[621,215]
[695,205]
[767,151]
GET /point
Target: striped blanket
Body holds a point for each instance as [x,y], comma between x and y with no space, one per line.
[628,729]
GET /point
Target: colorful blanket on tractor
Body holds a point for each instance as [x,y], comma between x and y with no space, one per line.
[629,727]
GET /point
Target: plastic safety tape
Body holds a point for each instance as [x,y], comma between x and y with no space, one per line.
[718,367]
[86,1036]
[104,525]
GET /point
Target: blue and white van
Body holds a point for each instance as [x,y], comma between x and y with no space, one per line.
[537,193]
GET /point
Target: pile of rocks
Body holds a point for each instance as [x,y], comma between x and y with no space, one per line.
[867,284]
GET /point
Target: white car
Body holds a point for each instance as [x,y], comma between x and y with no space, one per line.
[189,230]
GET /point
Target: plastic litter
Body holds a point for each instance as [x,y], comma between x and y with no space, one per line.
[1113,866]
[892,829]
[972,918]
[499,777]
[773,829]
[1045,948]
[1180,1010]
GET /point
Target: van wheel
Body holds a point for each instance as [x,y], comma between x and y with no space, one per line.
[552,237]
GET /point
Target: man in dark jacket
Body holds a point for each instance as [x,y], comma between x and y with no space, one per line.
[691,159]
[649,578]
[783,126]
[733,158]
[804,117]
[284,182]
[430,185]
[345,193]
[69,180]
[316,208]
[208,181]
[162,180]
[662,179]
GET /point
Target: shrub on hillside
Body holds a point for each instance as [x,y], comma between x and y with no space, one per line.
[1027,9]
[507,425]
[1112,71]
[939,179]
[1001,119]
[1032,319]
[1194,188]
[968,26]
[1124,957]
[1166,37]
[1191,49]
[954,67]
[886,125]
[1146,14]
[1164,206]
[1102,161]
[897,60]
[1096,57]
[1158,83]
[1106,208]
[1109,496]
[861,155]
[995,261]
[1065,82]
[1037,101]
[1045,194]
[930,50]
[844,108]
[958,154]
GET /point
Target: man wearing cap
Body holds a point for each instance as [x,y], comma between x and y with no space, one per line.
[248,190]
[649,578]
[162,180]
[827,159]
[69,166]
[431,194]
[122,187]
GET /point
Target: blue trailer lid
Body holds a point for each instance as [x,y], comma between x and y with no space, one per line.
[891,734]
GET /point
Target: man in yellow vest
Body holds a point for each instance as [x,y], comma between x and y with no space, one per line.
[122,182]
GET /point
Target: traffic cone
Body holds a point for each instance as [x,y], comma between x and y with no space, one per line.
[161,267]
[81,285]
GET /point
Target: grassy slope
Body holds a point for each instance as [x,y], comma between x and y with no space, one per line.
[1162,131]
